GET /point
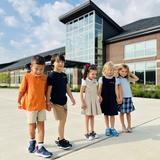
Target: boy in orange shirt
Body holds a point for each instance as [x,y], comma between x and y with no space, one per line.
[32,98]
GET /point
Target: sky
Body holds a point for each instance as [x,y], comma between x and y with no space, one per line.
[29,27]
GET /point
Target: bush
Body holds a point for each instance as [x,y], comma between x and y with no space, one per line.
[146,91]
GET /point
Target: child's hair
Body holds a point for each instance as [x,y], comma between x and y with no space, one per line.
[124,66]
[57,57]
[38,60]
[107,65]
[87,69]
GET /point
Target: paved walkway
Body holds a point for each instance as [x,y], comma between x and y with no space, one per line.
[142,144]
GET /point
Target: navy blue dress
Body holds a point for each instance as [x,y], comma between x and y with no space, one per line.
[109,104]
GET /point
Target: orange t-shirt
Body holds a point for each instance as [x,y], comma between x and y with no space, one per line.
[33,88]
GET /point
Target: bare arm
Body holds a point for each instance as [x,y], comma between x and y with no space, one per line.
[82,90]
[48,96]
[99,92]
[21,94]
[118,90]
[133,77]
[69,93]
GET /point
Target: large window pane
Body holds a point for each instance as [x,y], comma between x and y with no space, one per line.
[129,51]
[139,71]
[151,72]
[151,77]
[140,49]
[151,47]
[80,39]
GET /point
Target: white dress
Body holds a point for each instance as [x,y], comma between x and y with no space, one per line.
[91,97]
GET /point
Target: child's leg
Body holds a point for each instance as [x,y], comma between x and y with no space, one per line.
[112,121]
[40,149]
[92,123]
[106,121]
[61,127]
[87,123]
[122,121]
[32,129]
[128,115]
[40,126]
[32,142]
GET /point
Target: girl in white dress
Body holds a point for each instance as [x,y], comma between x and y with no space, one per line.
[89,100]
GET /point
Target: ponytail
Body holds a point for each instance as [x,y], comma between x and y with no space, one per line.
[87,69]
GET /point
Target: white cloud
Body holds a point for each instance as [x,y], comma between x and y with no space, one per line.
[11,21]
[26,9]
[6,55]
[51,33]
[2,12]
[21,44]
[127,11]
[1,34]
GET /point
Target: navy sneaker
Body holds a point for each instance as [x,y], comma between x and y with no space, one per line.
[87,136]
[42,152]
[32,146]
[57,141]
[94,135]
[114,132]
[63,144]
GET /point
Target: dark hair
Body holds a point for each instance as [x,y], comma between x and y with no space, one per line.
[88,68]
[57,57]
[38,60]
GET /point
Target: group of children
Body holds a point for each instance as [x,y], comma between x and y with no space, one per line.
[112,93]
[38,93]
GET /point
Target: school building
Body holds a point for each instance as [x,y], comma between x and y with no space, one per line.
[93,37]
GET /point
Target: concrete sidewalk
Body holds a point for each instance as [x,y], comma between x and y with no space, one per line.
[142,144]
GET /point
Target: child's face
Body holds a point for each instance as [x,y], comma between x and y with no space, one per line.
[109,71]
[92,74]
[123,72]
[37,69]
[58,65]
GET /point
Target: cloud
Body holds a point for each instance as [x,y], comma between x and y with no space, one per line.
[1,34]
[51,32]
[21,44]
[26,9]
[127,11]
[6,55]
[2,12]
[10,21]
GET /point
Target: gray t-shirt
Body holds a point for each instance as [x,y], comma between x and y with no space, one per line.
[125,84]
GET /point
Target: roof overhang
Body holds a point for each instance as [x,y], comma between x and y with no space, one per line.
[85,8]
[133,34]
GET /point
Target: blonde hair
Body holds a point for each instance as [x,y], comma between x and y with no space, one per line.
[126,67]
[107,65]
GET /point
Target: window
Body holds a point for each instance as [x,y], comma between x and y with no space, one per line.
[151,73]
[146,71]
[129,51]
[141,49]
[139,71]
[80,39]
[151,47]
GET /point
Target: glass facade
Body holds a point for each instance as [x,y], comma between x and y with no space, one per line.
[80,35]
[146,71]
[98,42]
[84,39]
[141,49]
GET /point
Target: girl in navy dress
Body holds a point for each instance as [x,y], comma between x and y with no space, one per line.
[108,92]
